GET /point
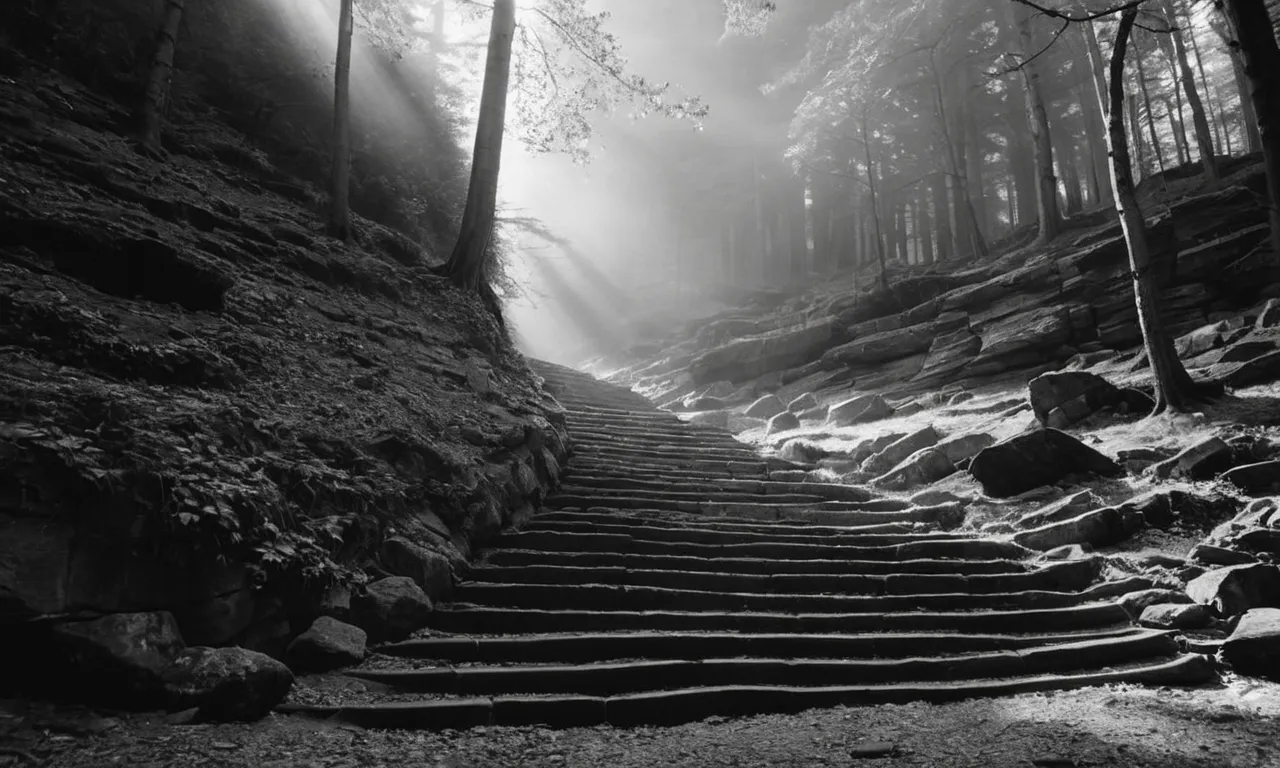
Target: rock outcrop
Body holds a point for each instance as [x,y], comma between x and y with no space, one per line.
[1036,458]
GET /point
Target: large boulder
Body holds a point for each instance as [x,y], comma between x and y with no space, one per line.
[859,410]
[895,453]
[1076,395]
[227,684]
[428,568]
[928,465]
[1037,458]
[326,645]
[121,657]
[765,408]
[1233,590]
[1254,647]
[746,358]
[391,608]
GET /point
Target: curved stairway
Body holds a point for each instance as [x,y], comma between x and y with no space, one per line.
[671,579]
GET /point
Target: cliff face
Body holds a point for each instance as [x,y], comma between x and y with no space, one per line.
[207,406]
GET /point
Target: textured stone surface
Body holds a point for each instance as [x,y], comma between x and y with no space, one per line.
[1254,647]
[391,608]
[1235,589]
[859,410]
[327,644]
[1037,458]
[227,684]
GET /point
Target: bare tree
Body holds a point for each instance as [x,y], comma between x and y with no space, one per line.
[155,101]
[340,175]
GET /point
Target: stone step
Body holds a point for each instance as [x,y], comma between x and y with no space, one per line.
[607,597]
[1064,577]
[710,533]
[460,619]
[717,468]
[605,495]
[675,456]
[744,565]
[581,649]
[854,512]
[612,679]
[680,520]
[956,548]
[693,704]
[609,433]
[583,480]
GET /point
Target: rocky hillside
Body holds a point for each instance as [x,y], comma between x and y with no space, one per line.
[209,409]
[1017,388]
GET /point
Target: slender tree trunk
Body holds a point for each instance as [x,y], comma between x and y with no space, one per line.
[1214,112]
[964,200]
[1204,137]
[1261,57]
[1022,167]
[1146,102]
[1038,121]
[973,159]
[1175,389]
[155,100]
[796,229]
[1253,138]
[875,208]
[941,219]
[924,226]
[1095,145]
[467,265]
[1177,127]
[340,174]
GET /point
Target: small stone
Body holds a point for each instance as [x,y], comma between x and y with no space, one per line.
[1201,461]
[803,403]
[859,410]
[327,645]
[1258,479]
[872,750]
[783,422]
[228,684]
[391,608]
[1136,603]
[1254,647]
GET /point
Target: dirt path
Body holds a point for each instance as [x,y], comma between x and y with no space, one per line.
[1237,725]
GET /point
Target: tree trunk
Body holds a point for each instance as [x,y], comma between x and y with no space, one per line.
[340,174]
[1175,389]
[796,227]
[924,226]
[1177,127]
[1098,136]
[875,207]
[973,159]
[1261,56]
[941,219]
[1253,140]
[467,265]
[963,198]
[1038,121]
[1204,136]
[155,100]
[1214,112]
[1146,102]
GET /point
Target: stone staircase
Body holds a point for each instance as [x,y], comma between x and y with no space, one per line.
[673,578]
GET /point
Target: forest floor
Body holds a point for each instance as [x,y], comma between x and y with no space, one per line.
[1235,725]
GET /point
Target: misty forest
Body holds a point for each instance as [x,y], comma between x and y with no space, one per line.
[640,382]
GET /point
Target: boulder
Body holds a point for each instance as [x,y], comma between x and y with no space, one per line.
[1175,616]
[1238,588]
[1135,603]
[718,419]
[1037,458]
[123,655]
[921,468]
[227,684]
[859,410]
[895,453]
[765,408]
[429,569]
[327,644]
[957,449]
[1201,461]
[746,358]
[1254,647]
[1214,555]
[391,608]
[805,402]
[783,422]
[1255,479]
[1087,391]
[1209,337]
[1099,528]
